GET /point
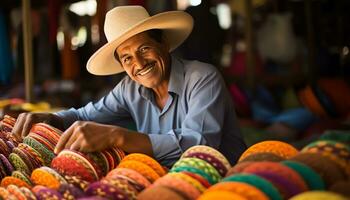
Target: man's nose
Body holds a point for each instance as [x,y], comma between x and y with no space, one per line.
[140,61]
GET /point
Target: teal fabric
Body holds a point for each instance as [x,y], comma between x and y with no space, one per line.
[194,170]
[6,64]
[311,178]
[260,183]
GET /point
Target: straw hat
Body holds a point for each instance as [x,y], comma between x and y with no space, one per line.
[123,22]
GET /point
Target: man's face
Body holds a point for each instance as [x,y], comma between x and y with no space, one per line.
[145,60]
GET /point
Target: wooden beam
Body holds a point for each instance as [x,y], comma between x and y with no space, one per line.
[28,49]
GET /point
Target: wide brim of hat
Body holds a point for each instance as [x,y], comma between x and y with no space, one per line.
[176,26]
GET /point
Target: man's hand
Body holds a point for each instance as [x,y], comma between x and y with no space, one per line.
[86,136]
[25,121]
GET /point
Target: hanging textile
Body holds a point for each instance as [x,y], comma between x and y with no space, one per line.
[54,7]
[69,60]
[43,49]
[97,21]
[6,64]
[137,2]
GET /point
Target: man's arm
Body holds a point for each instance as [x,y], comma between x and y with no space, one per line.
[90,136]
[110,109]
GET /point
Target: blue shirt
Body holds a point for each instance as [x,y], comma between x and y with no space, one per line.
[199,110]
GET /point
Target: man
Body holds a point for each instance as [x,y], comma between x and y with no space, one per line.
[174,103]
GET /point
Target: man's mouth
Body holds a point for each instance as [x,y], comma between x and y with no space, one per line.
[145,70]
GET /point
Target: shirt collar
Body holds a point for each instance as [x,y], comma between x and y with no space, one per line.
[176,80]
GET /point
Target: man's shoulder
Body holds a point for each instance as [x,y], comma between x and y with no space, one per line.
[195,67]
[126,84]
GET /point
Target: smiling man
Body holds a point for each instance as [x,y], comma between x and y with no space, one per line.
[174,103]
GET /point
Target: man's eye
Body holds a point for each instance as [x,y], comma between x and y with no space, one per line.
[126,60]
[144,49]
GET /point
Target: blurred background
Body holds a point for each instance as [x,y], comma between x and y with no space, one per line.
[286,63]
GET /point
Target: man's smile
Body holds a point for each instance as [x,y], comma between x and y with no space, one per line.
[146,70]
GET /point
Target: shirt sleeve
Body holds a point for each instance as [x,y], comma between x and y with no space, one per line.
[110,109]
[206,100]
